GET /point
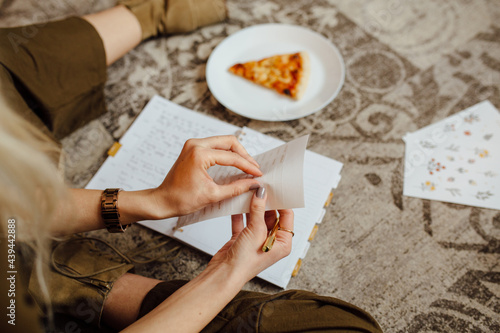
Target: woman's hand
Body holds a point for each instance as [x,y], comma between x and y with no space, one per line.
[194,305]
[188,187]
[243,252]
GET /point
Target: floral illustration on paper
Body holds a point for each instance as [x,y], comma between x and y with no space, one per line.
[434,166]
[449,128]
[482,153]
[484,195]
[471,118]
[452,147]
[428,186]
[427,144]
[454,192]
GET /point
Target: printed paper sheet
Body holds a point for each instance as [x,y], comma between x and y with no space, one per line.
[457,159]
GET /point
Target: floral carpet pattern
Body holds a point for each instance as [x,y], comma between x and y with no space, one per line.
[416,265]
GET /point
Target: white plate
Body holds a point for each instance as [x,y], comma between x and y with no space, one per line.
[260,41]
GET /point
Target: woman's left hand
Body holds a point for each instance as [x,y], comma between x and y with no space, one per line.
[243,252]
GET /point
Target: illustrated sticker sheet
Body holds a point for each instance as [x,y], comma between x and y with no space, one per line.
[456,159]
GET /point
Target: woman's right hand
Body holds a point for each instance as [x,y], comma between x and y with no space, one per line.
[188,186]
[243,252]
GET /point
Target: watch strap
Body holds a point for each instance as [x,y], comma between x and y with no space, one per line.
[109,210]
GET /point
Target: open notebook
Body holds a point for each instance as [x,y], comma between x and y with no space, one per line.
[150,147]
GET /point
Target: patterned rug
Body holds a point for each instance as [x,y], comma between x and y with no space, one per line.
[416,265]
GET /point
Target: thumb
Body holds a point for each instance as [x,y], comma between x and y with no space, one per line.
[257,206]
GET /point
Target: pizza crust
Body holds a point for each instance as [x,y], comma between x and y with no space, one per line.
[305,73]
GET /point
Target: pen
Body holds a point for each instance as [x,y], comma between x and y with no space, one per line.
[271,237]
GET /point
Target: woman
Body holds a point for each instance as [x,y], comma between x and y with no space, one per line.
[61,90]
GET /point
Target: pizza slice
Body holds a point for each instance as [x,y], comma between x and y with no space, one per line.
[287,74]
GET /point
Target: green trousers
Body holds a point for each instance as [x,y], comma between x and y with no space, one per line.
[59,70]
[287,311]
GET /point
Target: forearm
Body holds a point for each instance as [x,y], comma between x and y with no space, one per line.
[194,305]
[82,211]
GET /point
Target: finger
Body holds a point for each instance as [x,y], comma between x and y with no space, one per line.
[234,189]
[286,222]
[258,209]
[226,158]
[286,218]
[270,217]
[237,224]
[228,142]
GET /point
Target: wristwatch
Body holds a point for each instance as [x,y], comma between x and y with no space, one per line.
[109,210]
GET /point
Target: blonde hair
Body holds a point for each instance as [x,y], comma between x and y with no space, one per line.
[32,187]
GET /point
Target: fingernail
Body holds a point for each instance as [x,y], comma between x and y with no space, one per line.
[261,192]
[254,187]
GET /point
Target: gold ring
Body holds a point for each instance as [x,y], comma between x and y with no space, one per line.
[287,230]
